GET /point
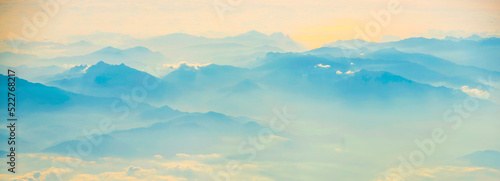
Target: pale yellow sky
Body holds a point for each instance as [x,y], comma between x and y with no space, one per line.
[311,23]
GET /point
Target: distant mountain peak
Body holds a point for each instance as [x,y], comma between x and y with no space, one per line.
[139,49]
[215,114]
[346,43]
[101,63]
[252,33]
[108,49]
[486,158]
[82,43]
[102,66]
[78,68]
[474,37]
[388,50]
[180,35]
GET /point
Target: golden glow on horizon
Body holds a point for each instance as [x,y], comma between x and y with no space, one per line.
[317,36]
[311,23]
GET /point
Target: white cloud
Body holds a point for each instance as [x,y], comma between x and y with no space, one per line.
[475,92]
[181,167]
[443,173]
[47,174]
[132,173]
[339,72]
[85,70]
[183,155]
[186,165]
[321,65]
[139,172]
[351,72]
[195,65]
[68,66]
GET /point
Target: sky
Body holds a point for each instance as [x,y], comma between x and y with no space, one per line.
[312,23]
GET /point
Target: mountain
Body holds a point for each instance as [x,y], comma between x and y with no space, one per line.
[388,75]
[235,50]
[349,81]
[45,49]
[473,37]
[138,57]
[198,84]
[421,68]
[434,63]
[106,80]
[250,39]
[34,74]
[472,51]
[73,72]
[108,147]
[16,59]
[163,113]
[415,72]
[186,84]
[116,48]
[195,133]
[36,97]
[258,39]
[338,52]
[209,76]
[340,80]
[486,158]
[349,44]
[247,92]
[50,114]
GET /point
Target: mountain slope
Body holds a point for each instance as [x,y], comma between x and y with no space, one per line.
[487,158]
[195,133]
[106,80]
[138,57]
[482,53]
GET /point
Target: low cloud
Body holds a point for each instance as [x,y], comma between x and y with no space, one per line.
[47,174]
[475,92]
[132,173]
[187,165]
[351,72]
[194,65]
[456,173]
[182,155]
[321,65]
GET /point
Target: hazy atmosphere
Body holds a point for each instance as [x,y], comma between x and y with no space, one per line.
[274,90]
